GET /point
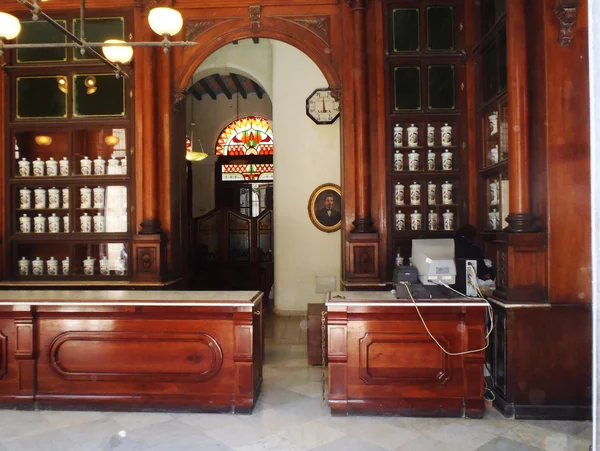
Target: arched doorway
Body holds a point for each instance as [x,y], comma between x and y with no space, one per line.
[306,156]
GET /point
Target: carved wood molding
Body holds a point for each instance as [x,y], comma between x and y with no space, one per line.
[357,4]
[254,18]
[194,28]
[178,98]
[336,93]
[566,12]
[147,5]
[3,355]
[318,25]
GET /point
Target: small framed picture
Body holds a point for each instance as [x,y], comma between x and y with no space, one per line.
[325,207]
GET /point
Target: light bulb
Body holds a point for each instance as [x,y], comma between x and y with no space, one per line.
[43,140]
[118,54]
[112,140]
[10,27]
[165,21]
[63,85]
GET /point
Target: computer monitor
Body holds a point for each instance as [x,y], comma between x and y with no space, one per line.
[434,259]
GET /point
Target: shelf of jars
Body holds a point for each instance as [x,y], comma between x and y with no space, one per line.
[494,129]
[497,203]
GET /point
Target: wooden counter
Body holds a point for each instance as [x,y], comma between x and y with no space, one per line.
[381,359]
[131,350]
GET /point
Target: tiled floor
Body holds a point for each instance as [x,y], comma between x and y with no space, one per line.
[289,416]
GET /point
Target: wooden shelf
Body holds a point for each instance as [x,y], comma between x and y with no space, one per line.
[78,179]
[429,206]
[42,210]
[412,234]
[495,169]
[84,238]
[438,174]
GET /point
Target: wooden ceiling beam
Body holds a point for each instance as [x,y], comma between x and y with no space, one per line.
[257,89]
[209,90]
[219,80]
[256,40]
[239,85]
[195,92]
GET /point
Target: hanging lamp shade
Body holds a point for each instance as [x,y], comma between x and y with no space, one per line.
[118,54]
[191,154]
[165,21]
[10,27]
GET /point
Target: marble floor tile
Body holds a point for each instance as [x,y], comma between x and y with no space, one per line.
[565,427]
[270,443]
[63,419]
[468,438]
[347,443]
[48,441]
[311,389]
[27,425]
[383,434]
[504,444]
[311,434]
[135,420]
[429,444]
[237,436]
[545,439]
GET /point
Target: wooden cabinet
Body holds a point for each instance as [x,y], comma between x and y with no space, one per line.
[68,176]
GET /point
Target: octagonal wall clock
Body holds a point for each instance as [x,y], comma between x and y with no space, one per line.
[321,107]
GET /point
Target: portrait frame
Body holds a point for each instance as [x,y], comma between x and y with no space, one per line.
[316,205]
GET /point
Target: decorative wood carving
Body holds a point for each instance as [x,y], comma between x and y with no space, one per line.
[376,347]
[362,257]
[254,18]
[336,93]
[148,251]
[318,25]
[3,355]
[502,269]
[178,100]
[193,29]
[111,356]
[566,12]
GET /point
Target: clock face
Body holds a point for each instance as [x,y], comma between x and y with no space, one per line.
[322,108]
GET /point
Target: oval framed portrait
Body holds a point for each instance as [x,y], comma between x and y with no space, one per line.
[325,207]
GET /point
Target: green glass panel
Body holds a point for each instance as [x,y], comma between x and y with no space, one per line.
[407,88]
[489,72]
[41,32]
[440,28]
[442,86]
[502,69]
[40,97]
[98,30]
[405,30]
[107,99]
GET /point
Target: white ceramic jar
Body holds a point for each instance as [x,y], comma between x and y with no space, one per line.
[114,166]
[446,135]
[88,266]
[53,198]
[447,161]
[99,166]
[413,161]
[86,166]
[121,269]
[432,220]
[25,224]
[99,197]
[400,221]
[494,156]
[85,197]
[447,193]
[39,224]
[398,161]
[399,194]
[38,167]
[66,266]
[25,198]
[399,260]
[24,168]
[493,118]
[398,141]
[99,223]
[413,136]
[86,223]
[415,194]
[492,220]
[66,224]
[53,224]
[64,167]
[65,197]
[431,197]
[23,267]
[51,167]
[124,166]
[52,267]
[431,161]
[104,266]
[37,266]
[448,220]
[39,199]
[415,220]
[430,135]
[494,192]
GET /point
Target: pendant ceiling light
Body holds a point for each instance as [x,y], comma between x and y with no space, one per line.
[166,22]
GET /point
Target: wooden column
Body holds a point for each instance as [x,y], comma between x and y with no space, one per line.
[150,222]
[520,218]
[363,222]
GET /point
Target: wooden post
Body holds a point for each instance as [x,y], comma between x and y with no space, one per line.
[363,222]
[520,218]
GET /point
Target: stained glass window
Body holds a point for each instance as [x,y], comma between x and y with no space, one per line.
[246,136]
[242,172]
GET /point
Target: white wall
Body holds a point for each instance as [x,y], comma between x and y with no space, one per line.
[306,156]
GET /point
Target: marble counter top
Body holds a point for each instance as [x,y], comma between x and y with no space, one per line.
[131,298]
[387,298]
